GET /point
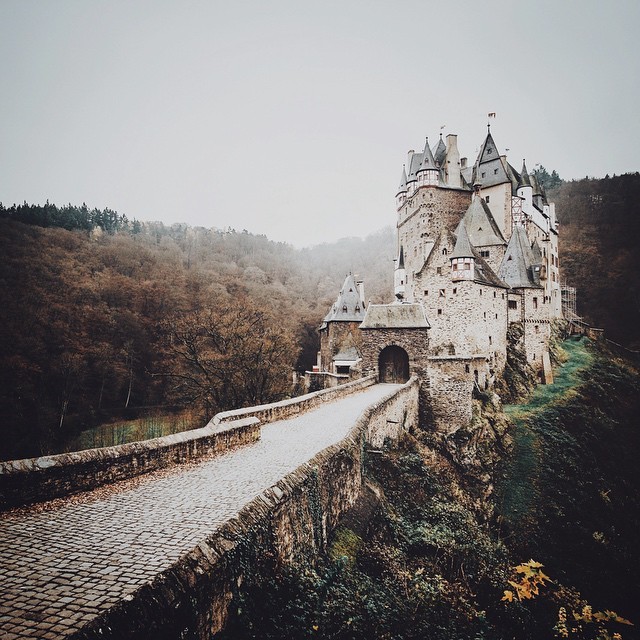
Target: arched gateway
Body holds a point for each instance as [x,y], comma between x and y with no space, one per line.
[393,365]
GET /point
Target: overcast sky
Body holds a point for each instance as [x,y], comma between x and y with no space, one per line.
[293,118]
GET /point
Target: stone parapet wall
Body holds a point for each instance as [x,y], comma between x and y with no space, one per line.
[290,521]
[294,406]
[48,477]
[39,479]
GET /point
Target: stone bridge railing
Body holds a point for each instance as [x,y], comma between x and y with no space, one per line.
[47,477]
[290,521]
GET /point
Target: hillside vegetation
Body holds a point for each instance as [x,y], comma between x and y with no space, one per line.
[107,318]
[430,560]
[600,249]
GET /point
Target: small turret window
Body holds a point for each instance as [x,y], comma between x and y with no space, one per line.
[444,251]
[344,309]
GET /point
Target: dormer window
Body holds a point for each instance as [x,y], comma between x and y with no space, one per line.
[344,309]
[444,251]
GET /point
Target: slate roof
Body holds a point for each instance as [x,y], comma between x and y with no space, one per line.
[401,258]
[348,307]
[489,164]
[462,247]
[519,268]
[403,180]
[348,354]
[480,224]
[440,153]
[428,161]
[524,177]
[395,316]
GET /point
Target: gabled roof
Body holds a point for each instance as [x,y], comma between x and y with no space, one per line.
[480,224]
[348,307]
[519,269]
[395,316]
[440,153]
[428,161]
[489,169]
[484,274]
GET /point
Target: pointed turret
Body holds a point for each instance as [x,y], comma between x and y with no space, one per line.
[463,257]
[524,176]
[348,307]
[401,196]
[525,190]
[428,172]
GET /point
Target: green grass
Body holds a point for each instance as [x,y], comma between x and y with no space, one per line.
[566,377]
[519,492]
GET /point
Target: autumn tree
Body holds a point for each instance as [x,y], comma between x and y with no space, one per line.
[226,358]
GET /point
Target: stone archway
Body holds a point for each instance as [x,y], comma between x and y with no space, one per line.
[393,365]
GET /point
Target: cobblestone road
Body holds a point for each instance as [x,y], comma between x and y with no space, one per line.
[60,567]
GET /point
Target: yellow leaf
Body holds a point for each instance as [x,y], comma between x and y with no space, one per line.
[508,596]
[533,564]
[315,627]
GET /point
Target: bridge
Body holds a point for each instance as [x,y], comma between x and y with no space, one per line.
[97,563]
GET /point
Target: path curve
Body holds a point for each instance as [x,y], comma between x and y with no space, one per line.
[62,565]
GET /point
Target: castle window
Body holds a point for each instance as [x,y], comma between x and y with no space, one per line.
[442,292]
[535,303]
[484,253]
[536,329]
[444,251]
[439,312]
[490,341]
[513,304]
[480,291]
[439,270]
[426,292]
[494,294]
[344,309]
[483,174]
[466,368]
[455,291]
[485,315]
[487,197]
[496,316]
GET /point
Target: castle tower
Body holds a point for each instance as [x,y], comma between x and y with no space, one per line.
[401,196]
[428,173]
[525,191]
[462,258]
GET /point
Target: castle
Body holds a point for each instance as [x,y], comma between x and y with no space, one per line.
[477,251]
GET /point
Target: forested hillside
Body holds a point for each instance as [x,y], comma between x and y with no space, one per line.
[103,318]
[106,317]
[599,251]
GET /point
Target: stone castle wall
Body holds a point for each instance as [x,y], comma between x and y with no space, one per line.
[424,215]
[290,521]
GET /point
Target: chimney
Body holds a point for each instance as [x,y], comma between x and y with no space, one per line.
[360,285]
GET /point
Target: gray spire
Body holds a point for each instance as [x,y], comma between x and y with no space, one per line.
[403,181]
[524,177]
[401,258]
[463,245]
[428,161]
[348,306]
